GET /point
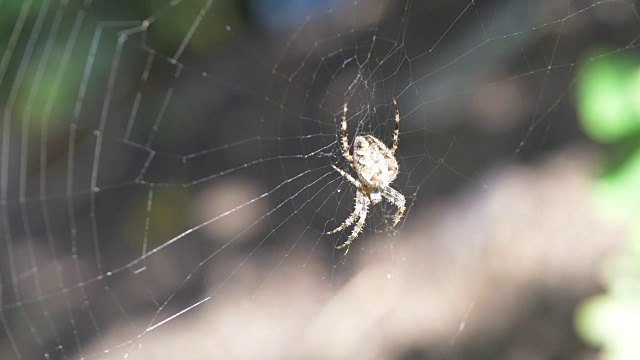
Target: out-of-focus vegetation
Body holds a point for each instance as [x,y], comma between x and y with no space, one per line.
[609,106]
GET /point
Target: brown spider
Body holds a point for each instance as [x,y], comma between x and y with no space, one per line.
[376,167]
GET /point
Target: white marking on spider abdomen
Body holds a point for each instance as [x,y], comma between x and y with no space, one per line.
[375,164]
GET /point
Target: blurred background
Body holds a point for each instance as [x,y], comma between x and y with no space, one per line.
[166,179]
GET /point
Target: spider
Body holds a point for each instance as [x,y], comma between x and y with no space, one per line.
[376,167]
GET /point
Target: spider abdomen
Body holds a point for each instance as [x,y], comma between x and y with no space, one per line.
[374,162]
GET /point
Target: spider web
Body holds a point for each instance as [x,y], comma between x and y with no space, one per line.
[164,160]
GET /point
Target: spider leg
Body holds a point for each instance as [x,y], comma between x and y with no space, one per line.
[364,208]
[396,132]
[394,197]
[345,138]
[356,210]
[354,215]
[355,182]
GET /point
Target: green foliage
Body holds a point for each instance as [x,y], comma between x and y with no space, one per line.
[612,320]
[608,98]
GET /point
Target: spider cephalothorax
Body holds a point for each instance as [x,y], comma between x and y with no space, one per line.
[376,167]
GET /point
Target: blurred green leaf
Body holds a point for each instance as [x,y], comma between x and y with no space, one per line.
[608,94]
[617,193]
[611,322]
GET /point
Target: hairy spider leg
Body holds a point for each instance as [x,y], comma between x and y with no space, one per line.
[345,139]
[394,197]
[362,207]
[353,215]
[396,132]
